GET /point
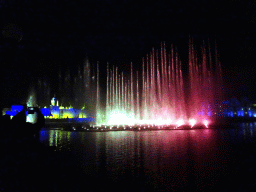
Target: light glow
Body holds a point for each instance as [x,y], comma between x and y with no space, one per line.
[206,123]
[180,122]
[192,122]
[155,97]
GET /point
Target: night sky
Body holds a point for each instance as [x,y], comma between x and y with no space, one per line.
[40,38]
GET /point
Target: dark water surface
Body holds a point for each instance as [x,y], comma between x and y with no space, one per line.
[181,160]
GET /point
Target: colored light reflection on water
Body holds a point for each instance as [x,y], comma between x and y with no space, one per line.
[166,160]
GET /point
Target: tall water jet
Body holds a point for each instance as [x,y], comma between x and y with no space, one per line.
[99,112]
[31,102]
[158,95]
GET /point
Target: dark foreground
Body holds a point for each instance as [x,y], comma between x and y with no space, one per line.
[27,165]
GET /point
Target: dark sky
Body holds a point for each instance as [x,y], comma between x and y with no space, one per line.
[48,35]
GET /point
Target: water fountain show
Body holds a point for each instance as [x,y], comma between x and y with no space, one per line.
[162,91]
[165,92]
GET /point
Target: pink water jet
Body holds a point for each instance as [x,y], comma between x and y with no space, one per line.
[158,96]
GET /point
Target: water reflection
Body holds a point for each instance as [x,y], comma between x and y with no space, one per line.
[248,131]
[160,159]
[57,138]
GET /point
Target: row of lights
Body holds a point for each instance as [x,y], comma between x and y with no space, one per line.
[192,123]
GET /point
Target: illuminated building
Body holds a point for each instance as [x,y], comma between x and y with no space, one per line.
[53,111]
[238,108]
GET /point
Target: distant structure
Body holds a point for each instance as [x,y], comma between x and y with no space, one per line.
[239,108]
[53,102]
[54,111]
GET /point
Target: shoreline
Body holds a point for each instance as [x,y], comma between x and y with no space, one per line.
[80,127]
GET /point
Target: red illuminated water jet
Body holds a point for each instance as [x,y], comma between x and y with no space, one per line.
[158,96]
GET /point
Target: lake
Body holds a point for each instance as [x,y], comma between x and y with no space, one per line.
[168,160]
